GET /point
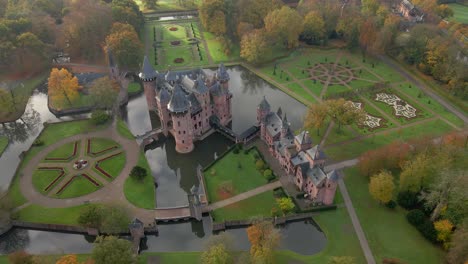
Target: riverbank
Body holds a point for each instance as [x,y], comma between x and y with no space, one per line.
[3,144]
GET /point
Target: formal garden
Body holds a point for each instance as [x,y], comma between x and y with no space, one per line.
[460,13]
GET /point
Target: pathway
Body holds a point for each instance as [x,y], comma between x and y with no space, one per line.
[245,195]
[356,224]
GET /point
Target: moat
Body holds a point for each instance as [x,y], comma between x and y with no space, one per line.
[174,173]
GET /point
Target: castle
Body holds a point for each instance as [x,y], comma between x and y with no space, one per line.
[186,100]
[296,155]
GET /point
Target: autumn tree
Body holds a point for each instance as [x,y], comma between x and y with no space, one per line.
[444,11]
[150,4]
[212,16]
[104,92]
[125,45]
[218,250]
[254,12]
[416,173]
[348,27]
[314,28]
[316,116]
[21,257]
[254,47]
[344,113]
[112,250]
[127,11]
[381,187]
[264,239]
[368,34]
[62,88]
[458,251]
[444,230]
[369,7]
[389,157]
[285,25]
[330,11]
[68,259]
[342,260]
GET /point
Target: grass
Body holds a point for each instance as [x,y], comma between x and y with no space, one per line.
[460,13]
[21,95]
[63,152]
[167,5]
[141,193]
[38,214]
[78,187]
[431,128]
[228,173]
[316,88]
[101,144]
[259,205]
[50,135]
[83,100]
[388,232]
[123,130]
[42,178]
[216,49]
[114,165]
[304,96]
[134,88]
[3,144]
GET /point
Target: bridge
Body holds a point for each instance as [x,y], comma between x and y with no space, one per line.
[158,14]
[244,137]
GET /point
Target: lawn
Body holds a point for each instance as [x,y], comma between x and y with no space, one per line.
[42,178]
[430,128]
[38,214]
[63,152]
[141,193]
[301,94]
[315,87]
[228,179]
[460,13]
[102,145]
[83,100]
[134,88]
[388,232]
[167,5]
[21,93]
[114,165]
[78,187]
[216,49]
[123,129]
[50,135]
[259,205]
[3,144]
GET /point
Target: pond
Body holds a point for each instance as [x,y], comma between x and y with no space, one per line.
[175,173]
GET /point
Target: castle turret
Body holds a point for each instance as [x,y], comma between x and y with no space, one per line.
[179,107]
[263,109]
[284,127]
[330,187]
[163,99]
[223,76]
[303,141]
[148,76]
[203,96]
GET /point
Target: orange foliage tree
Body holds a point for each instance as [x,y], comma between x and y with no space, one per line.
[264,239]
[63,88]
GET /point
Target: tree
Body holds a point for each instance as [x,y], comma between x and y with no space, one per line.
[68,259]
[124,14]
[63,87]
[264,239]
[381,187]
[444,11]
[448,191]
[285,25]
[285,204]
[458,251]
[218,250]
[104,92]
[112,250]
[348,28]
[316,116]
[444,231]
[30,46]
[342,260]
[107,218]
[91,216]
[368,34]
[99,117]
[138,173]
[254,12]
[254,47]
[369,7]
[6,101]
[213,10]
[314,28]
[150,4]
[21,257]
[415,173]
[125,45]
[344,113]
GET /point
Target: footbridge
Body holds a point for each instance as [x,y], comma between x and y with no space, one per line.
[244,137]
[149,137]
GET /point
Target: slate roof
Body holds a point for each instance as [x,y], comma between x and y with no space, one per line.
[200,85]
[164,95]
[273,124]
[217,90]
[222,74]
[333,175]
[300,158]
[194,103]
[285,123]
[316,175]
[303,138]
[279,112]
[178,102]
[147,71]
[264,105]
[315,153]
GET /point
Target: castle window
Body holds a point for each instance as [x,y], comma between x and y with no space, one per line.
[183,141]
[199,123]
[329,185]
[184,132]
[196,126]
[178,123]
[179,132]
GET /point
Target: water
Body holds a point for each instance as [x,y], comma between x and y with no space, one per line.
[175,173]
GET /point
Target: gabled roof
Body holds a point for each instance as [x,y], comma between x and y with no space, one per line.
[200,85]
[178,102]
[164,95]
[273,123]
[316,174]
[315,153]
[264,105]
[304,138]
[300,158]
[333,175]
[217,90]
[147,71]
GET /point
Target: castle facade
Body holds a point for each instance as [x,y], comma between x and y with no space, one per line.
[186,100]
[296,154]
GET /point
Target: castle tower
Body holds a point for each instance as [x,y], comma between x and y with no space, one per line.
[179,108]
[303,141]
[162,100]
[284,127]
[223,78]
[263,109]
[330,187]
[148,76]
[203,96]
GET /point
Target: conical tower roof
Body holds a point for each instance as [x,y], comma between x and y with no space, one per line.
[178,102]
[264,105]
[222,73]
[200,85]
[164,95]
[147,71]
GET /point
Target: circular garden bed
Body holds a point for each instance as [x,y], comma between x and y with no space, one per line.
[175,43]
[173,29]
[59,176]
[179,60]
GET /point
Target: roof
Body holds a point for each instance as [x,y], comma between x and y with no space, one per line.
[304,138]
[273,124]
[194,103]
[187,82]
[147,71]
[164,95]
[170,76]
[264,105]
[217,90]
[178,102]
[200,85]
[333,175]
[222,74]
[88,77]
[300,158]
[136,223]
[279,112]
[285,123]
[316,174]
[315,153]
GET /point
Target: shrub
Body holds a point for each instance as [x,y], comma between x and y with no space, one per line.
[285,204]
[138,173]
[416,217]
[91,216]
[99,117]
[246,151]
[21,257]
[259,164]
[278,193]
[38,143]
[427,230]
[235,150]
[267,173]
[408,199]
[256,156]
[391,204]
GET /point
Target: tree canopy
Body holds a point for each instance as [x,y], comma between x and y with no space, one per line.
[112,250]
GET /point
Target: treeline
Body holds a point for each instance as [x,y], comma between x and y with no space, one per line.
[33,31]
[432,182]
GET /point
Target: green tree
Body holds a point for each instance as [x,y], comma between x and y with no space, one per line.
[254,47]
[112,250]
[344,113]
[444,11]
[381,187]
[115,219]
[104,92]
[285,204]
[6,101]
[125,45]
[314,28]
[342,260]
[31,47]
[218,250]
[369,7]
[254,12]
[416,172]
[138,173]
[150,4]
[213,10]
[284,25]
[316,116]
[91,216]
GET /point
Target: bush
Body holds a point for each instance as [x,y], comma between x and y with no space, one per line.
[21,257]
[408,200]
[259,164]
[267,173]
[38,143]
[99,117]
[416,217]
[138,173]
[427,230]
[279,193]
[246,151]
[235,150]
[391,204]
